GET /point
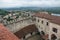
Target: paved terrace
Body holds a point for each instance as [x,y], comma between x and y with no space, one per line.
[16,26]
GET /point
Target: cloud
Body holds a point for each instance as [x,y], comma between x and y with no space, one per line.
[22,3]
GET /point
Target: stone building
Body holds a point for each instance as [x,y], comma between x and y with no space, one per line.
[48,26]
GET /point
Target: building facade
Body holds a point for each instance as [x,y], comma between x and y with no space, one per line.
[48,26]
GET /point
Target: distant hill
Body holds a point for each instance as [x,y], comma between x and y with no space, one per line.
[36,9]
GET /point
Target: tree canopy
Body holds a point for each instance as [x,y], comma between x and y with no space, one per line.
[3,12]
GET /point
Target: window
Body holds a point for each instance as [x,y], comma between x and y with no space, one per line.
[42,22]
[24,37]
[31,33]
[38,20]
[42,33]
[47,23]
[55,30]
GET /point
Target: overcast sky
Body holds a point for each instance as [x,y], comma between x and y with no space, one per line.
[24,3]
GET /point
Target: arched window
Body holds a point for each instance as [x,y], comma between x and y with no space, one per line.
[54,30]
[53,37]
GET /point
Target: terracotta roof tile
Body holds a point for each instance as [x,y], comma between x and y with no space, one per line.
[26,30]
[5,34]
[54,19]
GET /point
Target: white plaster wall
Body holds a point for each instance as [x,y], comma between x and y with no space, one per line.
[33,33]
[47,29]
[19,25]
[43,27]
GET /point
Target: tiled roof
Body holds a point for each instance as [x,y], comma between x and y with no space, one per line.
[5,34]
[52,18]
[28,29]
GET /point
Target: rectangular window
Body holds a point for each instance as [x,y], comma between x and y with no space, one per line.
[47,23]
[42,22]
[38,20]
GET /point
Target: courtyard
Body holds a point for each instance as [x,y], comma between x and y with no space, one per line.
[34,37]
